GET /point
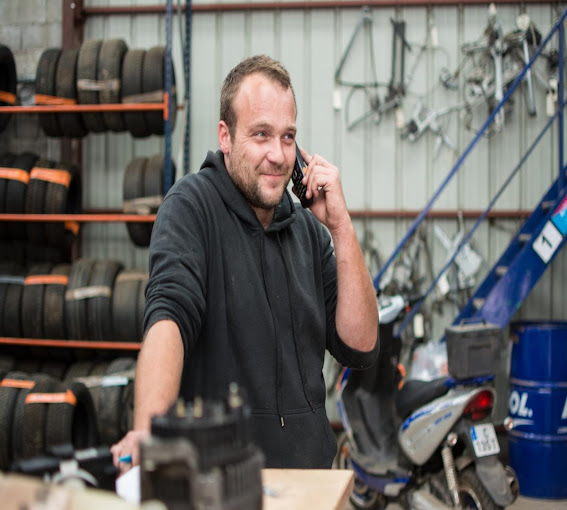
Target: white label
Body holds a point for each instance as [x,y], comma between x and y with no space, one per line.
[484,440]
[547,242]
[564,413]
[518,405]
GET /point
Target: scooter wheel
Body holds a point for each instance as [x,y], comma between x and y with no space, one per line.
[362,498]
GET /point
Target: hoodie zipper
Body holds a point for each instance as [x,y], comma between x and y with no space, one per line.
[279,384]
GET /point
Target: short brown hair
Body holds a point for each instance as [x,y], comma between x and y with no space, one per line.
[262,64]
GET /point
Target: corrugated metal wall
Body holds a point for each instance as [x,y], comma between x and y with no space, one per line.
[380,170]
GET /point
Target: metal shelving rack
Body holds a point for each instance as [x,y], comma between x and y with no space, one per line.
[72,15]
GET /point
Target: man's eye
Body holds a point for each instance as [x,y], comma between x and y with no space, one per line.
[261,134]
[290,136]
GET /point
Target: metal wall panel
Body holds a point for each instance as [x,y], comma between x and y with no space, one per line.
[380,170]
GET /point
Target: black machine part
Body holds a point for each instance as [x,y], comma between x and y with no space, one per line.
[200,455]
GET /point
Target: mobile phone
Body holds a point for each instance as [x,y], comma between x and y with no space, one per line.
[297,176]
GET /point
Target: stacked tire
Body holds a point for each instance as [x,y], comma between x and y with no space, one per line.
[102,393]
[38,412]
[33,185]
[8,83]
[102,72]
[87,300]
[143,192]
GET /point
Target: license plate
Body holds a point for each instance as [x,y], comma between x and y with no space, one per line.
[484,440]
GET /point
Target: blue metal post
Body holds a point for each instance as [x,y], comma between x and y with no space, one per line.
[167,169]
[479,220]
[187,60]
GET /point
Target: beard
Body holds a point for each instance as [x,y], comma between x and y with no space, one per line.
[246,179]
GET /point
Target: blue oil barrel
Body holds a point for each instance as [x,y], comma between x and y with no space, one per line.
[537,403]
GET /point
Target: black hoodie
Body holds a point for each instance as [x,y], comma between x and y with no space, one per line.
[255,306]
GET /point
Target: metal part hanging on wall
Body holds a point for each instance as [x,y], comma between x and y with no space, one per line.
[491,64]
[396,85]
[424,119]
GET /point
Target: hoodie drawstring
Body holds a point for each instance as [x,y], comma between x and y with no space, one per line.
[295,336]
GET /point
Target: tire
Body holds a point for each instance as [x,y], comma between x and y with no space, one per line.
[45,85]
[74,424]
[54,324]
[12,317]
[133,187]
[33,304]
[87,69]
[8,80]
[362,497]
[99,308]
[15,201]
[6,161]
[125,301]
[154,185]
[109,408]
[35,203]
[76,309]
[19,417]
[132,71]
[8,398]
[35,415]
[62,200]
[71,124]
[110,68]
[153,81]
[6,270]
[471,491]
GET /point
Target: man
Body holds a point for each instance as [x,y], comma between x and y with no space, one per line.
[244,285]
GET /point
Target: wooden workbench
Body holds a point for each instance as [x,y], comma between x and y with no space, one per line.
[284,489]
[306,489]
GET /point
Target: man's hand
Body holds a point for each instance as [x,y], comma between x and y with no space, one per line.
[129,445]
[324,185]
[357,314]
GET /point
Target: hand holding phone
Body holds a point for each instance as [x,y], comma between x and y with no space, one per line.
[297,177]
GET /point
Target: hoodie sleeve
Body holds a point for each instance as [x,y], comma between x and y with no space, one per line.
[177,264]
[345,355]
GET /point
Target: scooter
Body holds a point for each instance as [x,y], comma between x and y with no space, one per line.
[425,444]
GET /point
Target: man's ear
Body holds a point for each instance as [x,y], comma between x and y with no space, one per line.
[224,138]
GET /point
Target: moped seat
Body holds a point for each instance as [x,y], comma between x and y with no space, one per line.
[416,393]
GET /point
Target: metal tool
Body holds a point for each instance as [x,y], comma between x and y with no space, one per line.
[424,119]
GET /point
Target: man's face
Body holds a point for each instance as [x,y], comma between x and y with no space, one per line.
[260,155]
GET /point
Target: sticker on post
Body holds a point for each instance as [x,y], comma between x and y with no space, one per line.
[559,217]
[547,242]
[484,440]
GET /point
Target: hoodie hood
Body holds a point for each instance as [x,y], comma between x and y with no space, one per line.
[214,170]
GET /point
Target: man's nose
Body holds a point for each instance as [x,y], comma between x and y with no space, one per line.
[276,155]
